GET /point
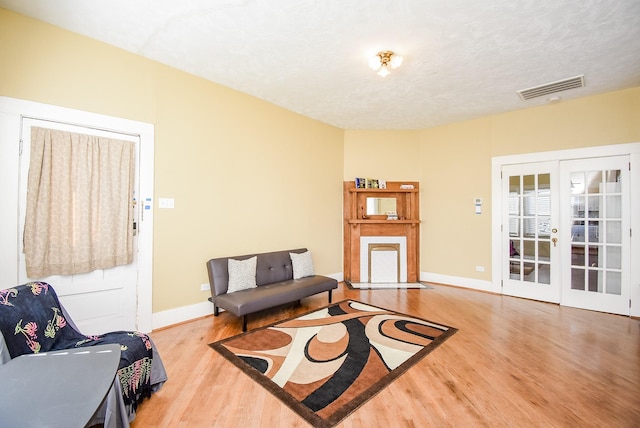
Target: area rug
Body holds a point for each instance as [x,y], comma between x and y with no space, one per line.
[328,362]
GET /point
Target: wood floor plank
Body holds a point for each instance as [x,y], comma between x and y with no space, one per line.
[513,362]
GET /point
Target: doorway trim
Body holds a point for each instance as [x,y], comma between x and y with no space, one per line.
[631,149]
[11,113]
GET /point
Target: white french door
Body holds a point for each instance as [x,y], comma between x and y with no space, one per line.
[531,266]
[565,232]
[596,234]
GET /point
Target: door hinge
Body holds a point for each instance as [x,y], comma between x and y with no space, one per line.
[629,303]
[20,147]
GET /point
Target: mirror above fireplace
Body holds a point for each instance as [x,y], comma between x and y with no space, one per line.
[381,206]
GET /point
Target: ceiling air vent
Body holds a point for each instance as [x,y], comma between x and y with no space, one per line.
[551,88]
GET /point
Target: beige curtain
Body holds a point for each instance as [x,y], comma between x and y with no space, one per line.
[79,214]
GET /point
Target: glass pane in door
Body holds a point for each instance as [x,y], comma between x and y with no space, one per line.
[596,231]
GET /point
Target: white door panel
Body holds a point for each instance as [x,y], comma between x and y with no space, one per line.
[95,309]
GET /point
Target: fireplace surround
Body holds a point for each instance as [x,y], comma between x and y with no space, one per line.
[362,229]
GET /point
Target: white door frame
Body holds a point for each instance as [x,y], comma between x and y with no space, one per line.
[631,149]
[11,113]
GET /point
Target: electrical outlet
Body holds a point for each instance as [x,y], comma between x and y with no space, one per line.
[205,287]
[480,268]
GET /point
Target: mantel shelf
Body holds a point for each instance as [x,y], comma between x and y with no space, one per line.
[383,221]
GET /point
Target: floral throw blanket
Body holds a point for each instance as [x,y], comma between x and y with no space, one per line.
[32,321]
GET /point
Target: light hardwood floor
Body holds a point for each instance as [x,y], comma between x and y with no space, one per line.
[513,363]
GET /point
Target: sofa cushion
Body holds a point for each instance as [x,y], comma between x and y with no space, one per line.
[302,264]
[271,295]
[242,274]
[273,267]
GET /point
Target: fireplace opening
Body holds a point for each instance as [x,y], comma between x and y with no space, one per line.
[383,259]
[384,263]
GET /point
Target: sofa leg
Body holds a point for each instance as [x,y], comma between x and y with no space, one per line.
[330,296]
[216,311]
[244,323]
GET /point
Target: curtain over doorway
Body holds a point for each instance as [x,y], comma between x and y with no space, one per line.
[79,214]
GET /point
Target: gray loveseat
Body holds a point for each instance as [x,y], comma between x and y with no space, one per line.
[274,280]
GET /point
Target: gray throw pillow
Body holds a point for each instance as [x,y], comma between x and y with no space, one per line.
[242,274]
[302,264]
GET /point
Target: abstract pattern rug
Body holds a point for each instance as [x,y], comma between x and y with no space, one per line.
[327,363]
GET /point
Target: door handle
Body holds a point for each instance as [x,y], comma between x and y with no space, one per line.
[555,241]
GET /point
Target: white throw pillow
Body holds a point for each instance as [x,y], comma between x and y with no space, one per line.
[302,264]
[242,274]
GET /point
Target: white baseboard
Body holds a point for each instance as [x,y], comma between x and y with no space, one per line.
[337,276]
[182,314]
[198,310]
[476,284]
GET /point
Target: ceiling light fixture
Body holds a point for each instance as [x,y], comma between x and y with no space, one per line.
[383,61]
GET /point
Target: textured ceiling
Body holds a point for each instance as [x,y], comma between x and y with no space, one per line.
[462,58]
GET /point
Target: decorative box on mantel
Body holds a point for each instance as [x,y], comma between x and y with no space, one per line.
[388,219]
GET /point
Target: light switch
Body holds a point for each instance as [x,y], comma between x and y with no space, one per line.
[165,203]
[478,205]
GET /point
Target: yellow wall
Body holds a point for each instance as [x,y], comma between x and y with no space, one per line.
[246,176]
[456,168]
[610,118]
[44,64]
[385,155]
[453,165]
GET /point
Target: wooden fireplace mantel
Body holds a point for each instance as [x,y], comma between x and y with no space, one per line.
[358,224]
